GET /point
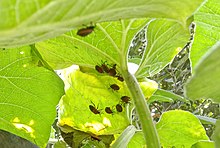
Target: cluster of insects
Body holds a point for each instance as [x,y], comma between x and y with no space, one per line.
[111,71]
[110,110]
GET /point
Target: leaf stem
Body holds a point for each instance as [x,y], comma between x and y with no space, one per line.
[149,130]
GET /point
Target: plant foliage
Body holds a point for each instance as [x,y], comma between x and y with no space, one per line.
[131,85]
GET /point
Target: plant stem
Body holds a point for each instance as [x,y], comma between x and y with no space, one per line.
[149,130]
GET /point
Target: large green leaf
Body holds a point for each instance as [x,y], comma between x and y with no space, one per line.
[207,21]
[175,128]
[25,22]
[29,95]
[109,42]
[165,38]
[205,82]
[93,89]
[180,129]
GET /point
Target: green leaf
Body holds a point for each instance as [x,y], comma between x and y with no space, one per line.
[26,22]
[29,95]
[165,96]
[109,42]
[93,89]
[216,135]
[148,87]
[204,144]
[180,129]
[207,30]
[137,140]
[125,137]
[165,38]
[204,83]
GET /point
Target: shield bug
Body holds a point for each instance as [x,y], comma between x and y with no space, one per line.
[94,109]
[105,68]
[112,72]
[125,99]
[119,108]
[99,69]
[108,110]
[85,31]
[120,78]
[115,87]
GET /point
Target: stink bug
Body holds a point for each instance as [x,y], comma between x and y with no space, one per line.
[85,31]
[125,99]
[94,109]
[119,108]
[108,110]
[115,87]
[99,69]
[112,72]
[120,78]
[105,68]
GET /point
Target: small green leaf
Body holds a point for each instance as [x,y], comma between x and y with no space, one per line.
[165,38]
[29,95]
[207,30]
[26,22]
[148,87]
[204,83]
[165,96]
[180,129]
[204,144]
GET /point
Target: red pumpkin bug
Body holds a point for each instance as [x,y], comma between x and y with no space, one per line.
[85,31]
[125,99]
[120,78]
[94,109]
[119,108]
[112,72]
[99,69]
[115,87]
[105,68]
[108,110]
